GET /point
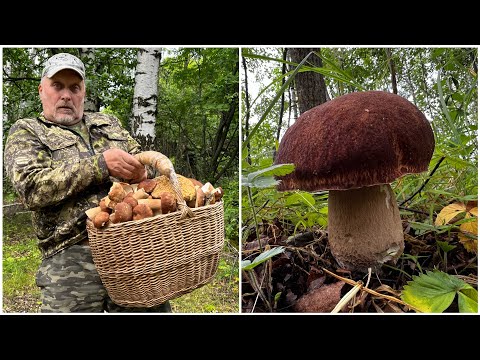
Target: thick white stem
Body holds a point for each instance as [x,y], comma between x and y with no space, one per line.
[364,227]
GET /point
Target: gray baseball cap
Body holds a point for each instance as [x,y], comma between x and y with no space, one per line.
[63,61]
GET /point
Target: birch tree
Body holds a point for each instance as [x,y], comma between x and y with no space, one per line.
[145,95]
[92,101]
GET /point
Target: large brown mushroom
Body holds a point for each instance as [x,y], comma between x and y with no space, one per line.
[355,146]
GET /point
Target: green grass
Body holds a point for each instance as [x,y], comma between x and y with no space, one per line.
[21,259]
[218,296]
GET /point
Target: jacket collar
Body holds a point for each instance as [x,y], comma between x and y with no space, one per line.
[89,118]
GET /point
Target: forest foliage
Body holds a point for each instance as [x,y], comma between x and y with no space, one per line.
[441,82]
[197,108]
[440,203]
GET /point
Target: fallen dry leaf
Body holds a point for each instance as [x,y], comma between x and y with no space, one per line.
[469,232]
[449,212]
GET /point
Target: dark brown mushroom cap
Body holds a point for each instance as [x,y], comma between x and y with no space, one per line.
[356,140]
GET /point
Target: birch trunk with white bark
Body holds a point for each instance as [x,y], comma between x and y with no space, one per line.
[145,96]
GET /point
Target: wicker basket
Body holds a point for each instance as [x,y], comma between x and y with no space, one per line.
[146,262]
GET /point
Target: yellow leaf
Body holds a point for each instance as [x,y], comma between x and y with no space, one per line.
[471,245]
[470,227]
[449,212]
[468,234]
[474,211]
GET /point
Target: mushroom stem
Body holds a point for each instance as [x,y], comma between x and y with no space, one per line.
[364,227]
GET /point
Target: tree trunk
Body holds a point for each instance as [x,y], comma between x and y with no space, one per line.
[282,103]
[310,86]
[247,110]
[393,73]
[145,95]
[92,101]
[223,147]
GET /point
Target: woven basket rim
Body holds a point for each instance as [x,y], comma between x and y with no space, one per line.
[112,227]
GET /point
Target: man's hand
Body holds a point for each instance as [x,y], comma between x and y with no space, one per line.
[122,165]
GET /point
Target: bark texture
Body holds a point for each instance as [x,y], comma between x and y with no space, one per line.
[310,86]
[145,96]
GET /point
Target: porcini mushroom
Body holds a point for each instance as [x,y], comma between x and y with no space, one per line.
[169,203]
[129,199]
[148,185]
[354,146]
[123,212]
[200,198]
[142,211]
[101,219]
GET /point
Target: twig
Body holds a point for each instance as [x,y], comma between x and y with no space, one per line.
[425,182]
[249,191]
[347,297]
[372,292]
[251,276]
[369,276]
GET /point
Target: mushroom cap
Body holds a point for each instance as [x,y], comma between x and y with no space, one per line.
[101,219]
[148,185]
[129,199]
[164,185]
[123,212]
[356,140]
[142,211]
[169,203]
[117,192]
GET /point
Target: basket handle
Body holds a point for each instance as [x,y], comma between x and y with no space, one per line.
[163,164]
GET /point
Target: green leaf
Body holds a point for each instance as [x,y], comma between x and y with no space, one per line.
[435,291]
[468,301]
[421,226]
[295,198]
[274,170]
[459,162]
[457,97]
[247,265]
[312,218]
[448,120]
[277,296]
[264,182]
[265,177]
[300,197]
[445,246]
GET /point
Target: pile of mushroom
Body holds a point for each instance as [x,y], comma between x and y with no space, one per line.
[151,197]
[355,146]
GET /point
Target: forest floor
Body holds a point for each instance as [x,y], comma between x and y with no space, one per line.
[305,277]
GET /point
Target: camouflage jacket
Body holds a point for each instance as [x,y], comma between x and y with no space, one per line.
[58,175]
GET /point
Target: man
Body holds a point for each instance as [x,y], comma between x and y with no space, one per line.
[61,164]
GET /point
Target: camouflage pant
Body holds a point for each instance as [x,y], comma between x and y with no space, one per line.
[69,282]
